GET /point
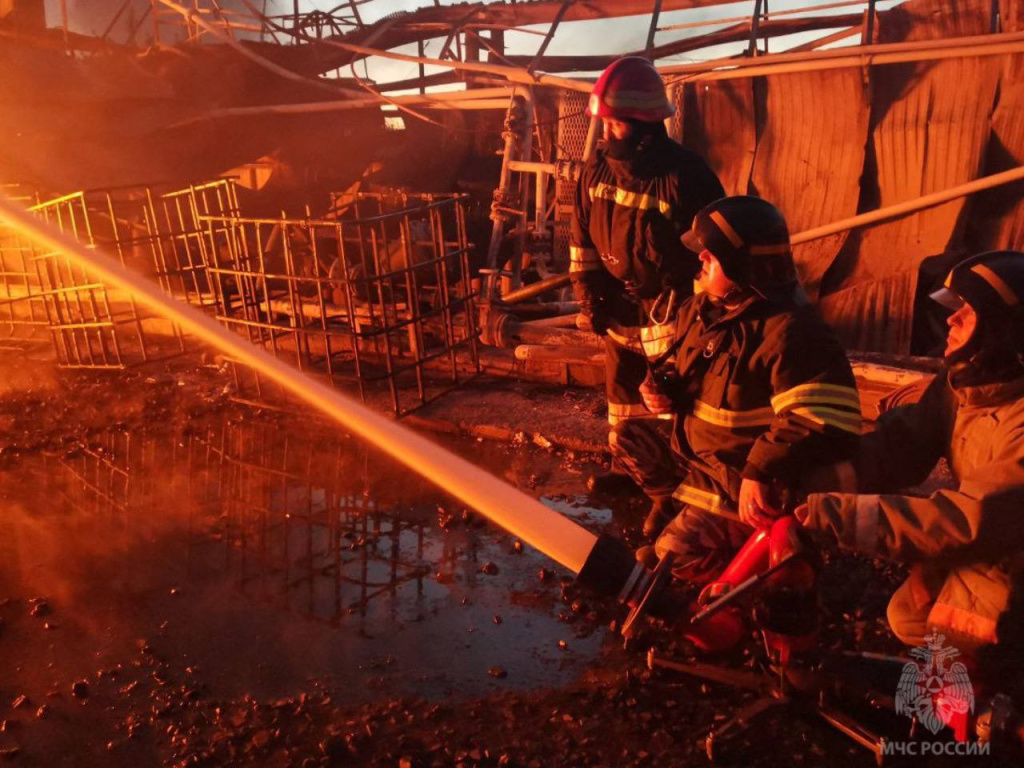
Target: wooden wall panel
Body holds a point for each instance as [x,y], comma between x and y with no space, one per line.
[810,157]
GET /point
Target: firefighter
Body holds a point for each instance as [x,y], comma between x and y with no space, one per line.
[963,544]
[634,200]
[761,387]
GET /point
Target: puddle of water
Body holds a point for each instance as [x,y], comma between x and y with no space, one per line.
[267,556]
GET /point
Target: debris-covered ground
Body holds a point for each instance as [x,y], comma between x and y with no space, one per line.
[185,581]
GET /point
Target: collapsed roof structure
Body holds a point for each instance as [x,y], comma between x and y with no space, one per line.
[889,133]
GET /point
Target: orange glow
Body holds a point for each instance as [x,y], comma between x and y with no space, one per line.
[519,514]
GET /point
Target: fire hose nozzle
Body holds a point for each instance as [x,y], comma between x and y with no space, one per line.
[612,569]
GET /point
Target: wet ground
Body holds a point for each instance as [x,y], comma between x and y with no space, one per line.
[184,581]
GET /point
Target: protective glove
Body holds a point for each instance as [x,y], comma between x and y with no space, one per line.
[599,322]
[659,392]
[759,503]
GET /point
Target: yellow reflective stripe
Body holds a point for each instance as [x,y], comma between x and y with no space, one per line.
[833,417]
[964,621]
[697,498]
[656,339]
[997,283]
[833,394]
[758,417]
[583,259]
[629,199]
[613,420]
[727,230]
[622,339]
[621,411]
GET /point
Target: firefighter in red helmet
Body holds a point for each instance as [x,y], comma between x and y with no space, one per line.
[963,545]
[761,391]
[634,200]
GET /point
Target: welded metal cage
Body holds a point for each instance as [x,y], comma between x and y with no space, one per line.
[22,314]
[157,235]
[91,325]
[184,221]
[380,296]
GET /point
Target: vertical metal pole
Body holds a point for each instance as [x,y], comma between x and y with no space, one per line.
[593,134]
[525,152]
[649,48]
[869,34]
[64,22]
[755,24]
[995,20]
[423,69]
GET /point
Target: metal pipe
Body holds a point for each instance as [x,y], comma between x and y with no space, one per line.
[521,515]
[910,206]
[545,353]
[540,204]
[838,58]
[525,153]
[522,166]
[555,321]
[536,289]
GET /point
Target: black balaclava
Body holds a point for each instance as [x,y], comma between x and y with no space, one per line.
[641,137]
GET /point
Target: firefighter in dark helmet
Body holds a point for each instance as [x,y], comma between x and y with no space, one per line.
[760,387]
[634,200]
[964,544]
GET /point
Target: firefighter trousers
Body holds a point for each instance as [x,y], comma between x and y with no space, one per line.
[963,603]
[703,542]
[629,346]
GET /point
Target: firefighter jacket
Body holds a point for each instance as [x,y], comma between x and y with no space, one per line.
[763,391]
[628,219]
[960,541]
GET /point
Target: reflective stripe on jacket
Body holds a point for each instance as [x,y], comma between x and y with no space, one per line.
[628,218]
[774,398]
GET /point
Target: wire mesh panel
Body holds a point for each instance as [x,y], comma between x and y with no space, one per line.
[380,297]
[573,126]
[22,313]
[181,219]
[91,326]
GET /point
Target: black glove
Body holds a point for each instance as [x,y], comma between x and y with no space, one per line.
[599,323]
[668,383]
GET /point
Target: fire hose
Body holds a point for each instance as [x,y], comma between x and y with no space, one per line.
[601,562]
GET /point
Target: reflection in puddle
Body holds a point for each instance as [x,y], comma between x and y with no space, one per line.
[267,555]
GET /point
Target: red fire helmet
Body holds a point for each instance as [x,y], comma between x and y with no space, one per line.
[630,89]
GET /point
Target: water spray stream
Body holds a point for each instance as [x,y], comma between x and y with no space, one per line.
[521,515]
